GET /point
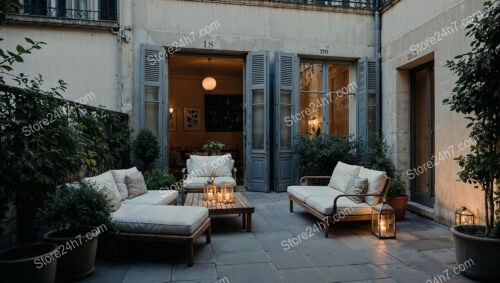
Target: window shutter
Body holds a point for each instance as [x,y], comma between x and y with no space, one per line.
[366,101]
[286,100]
[108,10]
[152,95]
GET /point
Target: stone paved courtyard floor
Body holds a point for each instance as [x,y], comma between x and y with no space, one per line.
[422,250]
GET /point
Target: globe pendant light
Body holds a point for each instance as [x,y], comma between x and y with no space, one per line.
[209,83]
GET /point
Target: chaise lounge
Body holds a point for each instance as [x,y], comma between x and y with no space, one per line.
[349,196]
[150,215]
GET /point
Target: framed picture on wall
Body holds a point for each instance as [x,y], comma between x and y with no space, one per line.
[172,126]
[192,119]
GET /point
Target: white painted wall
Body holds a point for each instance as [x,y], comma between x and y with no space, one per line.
[85,59]
[405,24]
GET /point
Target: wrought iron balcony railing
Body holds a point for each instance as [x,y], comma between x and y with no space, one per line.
[366,4]
[106,11]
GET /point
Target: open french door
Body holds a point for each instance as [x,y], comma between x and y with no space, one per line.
[286,101]
[257,116]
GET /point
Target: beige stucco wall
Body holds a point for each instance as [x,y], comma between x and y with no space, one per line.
[85,59]
[405,24]
[347,34]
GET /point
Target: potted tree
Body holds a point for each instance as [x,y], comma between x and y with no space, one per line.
[146,147]
[477,96]
[79,213]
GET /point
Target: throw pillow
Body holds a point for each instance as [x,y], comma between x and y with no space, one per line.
[357,185]
[119,176]
[136,185]
[342,174]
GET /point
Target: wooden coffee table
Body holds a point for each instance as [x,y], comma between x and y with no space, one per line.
[241,205]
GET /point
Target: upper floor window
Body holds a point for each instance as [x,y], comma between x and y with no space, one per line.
[74,9]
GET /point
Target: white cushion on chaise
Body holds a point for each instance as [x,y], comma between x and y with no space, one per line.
[159,219]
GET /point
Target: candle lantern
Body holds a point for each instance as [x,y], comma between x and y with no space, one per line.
[210,190]
[464,216]
[383,221]
[227,193]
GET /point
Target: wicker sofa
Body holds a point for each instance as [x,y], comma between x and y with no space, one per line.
[151,216]
[331,203]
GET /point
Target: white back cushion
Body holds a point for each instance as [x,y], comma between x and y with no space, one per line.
[106,185]
[342,174]
[204,166]
[119,176]
[376,183]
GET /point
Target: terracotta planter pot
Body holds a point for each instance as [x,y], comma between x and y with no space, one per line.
[78,253]
[29,263]
[399,204]
[478,256]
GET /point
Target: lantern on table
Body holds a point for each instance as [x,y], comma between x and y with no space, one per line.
[227,193]
[464,216]
[383,221]
[210,190]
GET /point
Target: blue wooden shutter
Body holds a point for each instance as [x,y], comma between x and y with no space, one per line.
[152,86]
[366,101]
[256,132]
[286,100]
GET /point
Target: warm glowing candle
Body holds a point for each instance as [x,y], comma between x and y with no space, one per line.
[383,227]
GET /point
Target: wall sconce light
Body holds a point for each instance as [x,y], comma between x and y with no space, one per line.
[464,216]
[171,111]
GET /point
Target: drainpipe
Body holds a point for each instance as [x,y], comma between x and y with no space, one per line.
[378,55]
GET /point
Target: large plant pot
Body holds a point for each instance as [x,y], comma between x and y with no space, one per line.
[79,253]
[29,263]
[479,255]
[399,204]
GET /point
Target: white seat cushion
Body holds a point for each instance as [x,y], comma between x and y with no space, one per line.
[154,197]
[119,176]
[342,174]
[200,182]
[159,219]
[302,192]
[204,166]
[324,205]
[376,183]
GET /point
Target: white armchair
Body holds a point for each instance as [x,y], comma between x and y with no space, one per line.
[199,169]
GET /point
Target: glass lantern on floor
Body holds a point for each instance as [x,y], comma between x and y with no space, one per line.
[464,216]
[227,193]
[210,190]
[383,221]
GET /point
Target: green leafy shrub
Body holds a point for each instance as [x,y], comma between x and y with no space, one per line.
[378,158]
[319,155]
[213,147]
[146,147]
[78,207]
[156,179]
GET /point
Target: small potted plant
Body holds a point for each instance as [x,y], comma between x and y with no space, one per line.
[213,147]
[79,213]
[397,197]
